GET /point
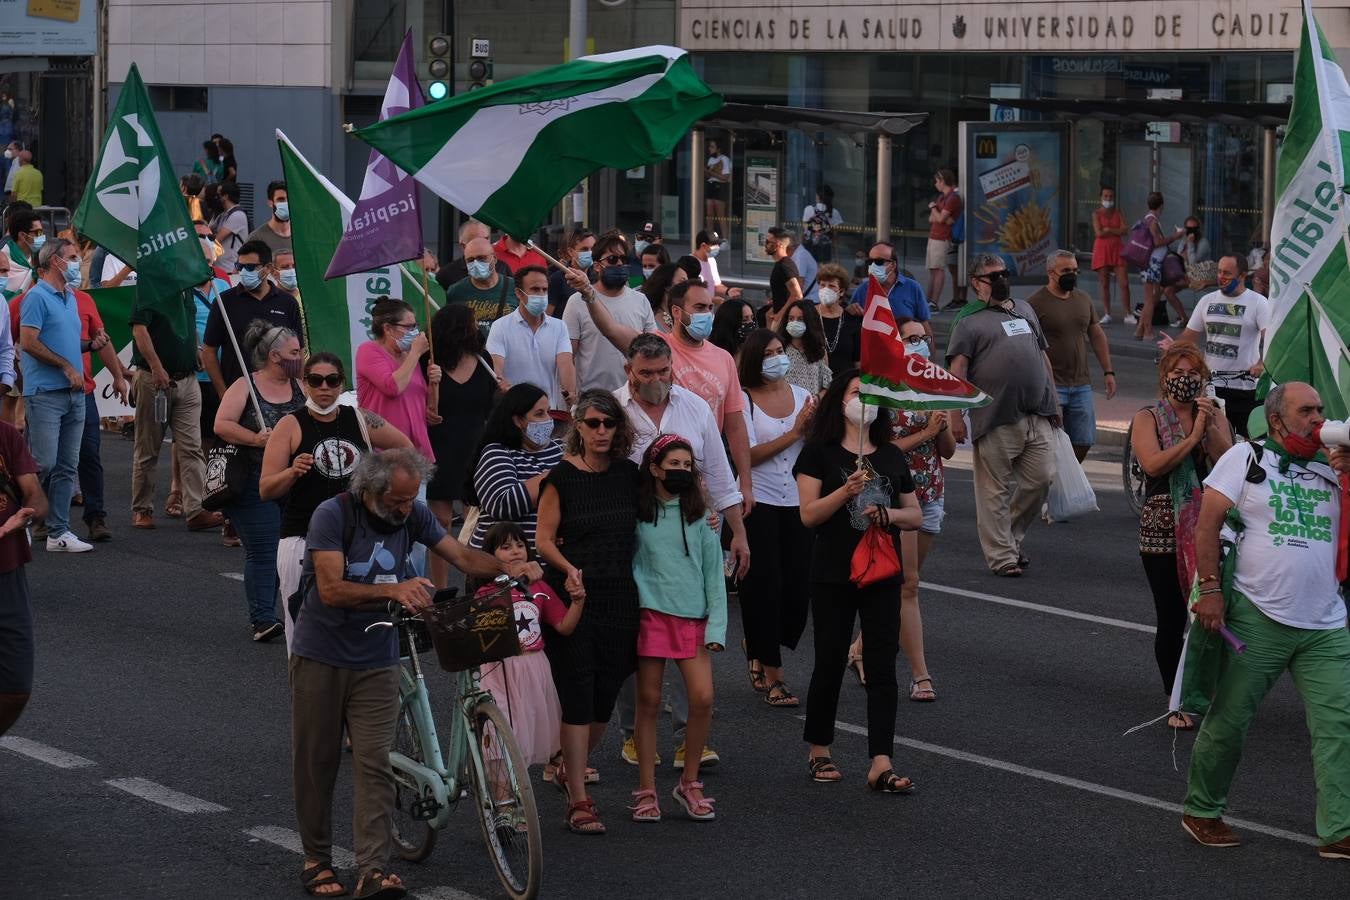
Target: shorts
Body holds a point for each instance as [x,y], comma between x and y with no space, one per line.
[1153,274]
[16,633]
[715,190]
[934,511]
[1080,417]
[936,257]
[665,636]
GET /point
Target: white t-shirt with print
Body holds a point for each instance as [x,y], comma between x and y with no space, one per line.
[599,364]
[1232,329]
[1286,562]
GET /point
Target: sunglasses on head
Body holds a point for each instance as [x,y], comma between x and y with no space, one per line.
[315,380]
[595,424]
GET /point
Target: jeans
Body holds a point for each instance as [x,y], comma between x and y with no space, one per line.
[258,523]
[91,461]
[1080,416]
[55,424]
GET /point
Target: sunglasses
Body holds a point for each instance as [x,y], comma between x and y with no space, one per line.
[596,424]
[878,261]
[251,267]
[1001,275]
[315,380]
[613,260]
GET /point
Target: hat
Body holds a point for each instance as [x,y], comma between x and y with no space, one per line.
[649,229]
[707,237]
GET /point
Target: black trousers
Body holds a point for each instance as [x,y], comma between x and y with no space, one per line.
[775,595]
[1238,405]
[834,607]
[1170,602]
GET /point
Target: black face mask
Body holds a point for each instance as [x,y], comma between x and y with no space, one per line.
[614,277]
[1068,281]
[999,290]
[677,481]
[743,330]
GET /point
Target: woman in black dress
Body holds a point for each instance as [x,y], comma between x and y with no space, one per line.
[587,533]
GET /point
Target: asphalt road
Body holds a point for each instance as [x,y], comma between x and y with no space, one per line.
[1026,787]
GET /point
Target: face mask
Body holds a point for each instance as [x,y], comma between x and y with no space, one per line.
[535,304]
[829,296]
[72,272]
[283,211]
[796,329]
[584,258]
[287,279]
[647,272]
[920,349]
[700,326]
[677,481]
[38,243]
[1300,446]
[405,343]
[1233,288]
[250,278]
[480,269]
[208,248]
[539,433]
[859,413]
[774,368]
[1183,388]
[321,410]
[743,330]
[614,277]
[1107,204]
[714,250]
[653,392]
[877,271]
[999,290]
[9,154]
[640,246]
[1067,282]
[290,366]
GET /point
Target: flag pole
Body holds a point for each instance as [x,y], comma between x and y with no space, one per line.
[533,246]
[239,354]
[433,390]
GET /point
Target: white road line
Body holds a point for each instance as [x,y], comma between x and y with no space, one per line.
[158,793]
[42,753]
[1039,607]
[1076,783]
[233,576]
[290,840]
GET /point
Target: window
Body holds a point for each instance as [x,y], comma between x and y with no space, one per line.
[177,98]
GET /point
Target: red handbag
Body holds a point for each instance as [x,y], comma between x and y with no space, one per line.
[874,559]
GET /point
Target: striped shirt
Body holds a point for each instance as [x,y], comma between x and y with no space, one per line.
[499,482]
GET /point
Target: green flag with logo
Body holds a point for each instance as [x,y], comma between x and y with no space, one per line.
[132,205]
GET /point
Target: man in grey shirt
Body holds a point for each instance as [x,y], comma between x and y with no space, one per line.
[1001,350]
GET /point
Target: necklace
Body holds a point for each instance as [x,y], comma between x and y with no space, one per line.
[830,344]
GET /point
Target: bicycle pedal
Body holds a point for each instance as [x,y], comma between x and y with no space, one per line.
[424,810]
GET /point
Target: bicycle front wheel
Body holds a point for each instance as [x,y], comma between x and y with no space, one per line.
[1132,474]
[414,838]
[505,802]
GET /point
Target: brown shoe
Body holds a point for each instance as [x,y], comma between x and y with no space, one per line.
[1338,850]
[229,537]
[98,530]
[142,519]
[205,520]
[1209,832]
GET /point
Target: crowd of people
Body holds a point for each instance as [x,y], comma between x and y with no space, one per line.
[630,436]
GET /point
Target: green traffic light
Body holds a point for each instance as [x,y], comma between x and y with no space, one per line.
[437,90]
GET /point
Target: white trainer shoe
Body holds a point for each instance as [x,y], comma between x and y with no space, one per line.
[1104,320]
[67,543]
[1131,320]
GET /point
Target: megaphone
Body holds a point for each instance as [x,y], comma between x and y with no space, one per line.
[1333,433]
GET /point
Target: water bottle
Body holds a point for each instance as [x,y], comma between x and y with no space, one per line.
[161,406]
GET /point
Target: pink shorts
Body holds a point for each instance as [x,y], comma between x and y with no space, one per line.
[663,636]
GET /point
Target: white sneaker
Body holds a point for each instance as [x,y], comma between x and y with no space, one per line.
[1104,320]
[1178,323]
[1131,320]
[67,543]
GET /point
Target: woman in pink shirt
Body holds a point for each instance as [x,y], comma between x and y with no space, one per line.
[389,377]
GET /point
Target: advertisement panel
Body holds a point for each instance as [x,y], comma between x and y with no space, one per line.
[1014,177]
[760,211]
[49,27]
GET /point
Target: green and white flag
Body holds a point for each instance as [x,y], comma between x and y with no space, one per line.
[1309,281]
[132,205]
[509,152]
[337,312]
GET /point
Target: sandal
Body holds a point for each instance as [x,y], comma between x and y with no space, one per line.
[890,783]
[700,809]
[312,878]
[922,695]
[1181,722]
[855,665]
[645,807]
[784,696]
[1022,561]
[824,770]
[1011,570]
[581,818]
[756,671]
[173,505]
[385,887]
[551,770]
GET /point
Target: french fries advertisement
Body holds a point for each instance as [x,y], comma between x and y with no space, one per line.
[1015,201]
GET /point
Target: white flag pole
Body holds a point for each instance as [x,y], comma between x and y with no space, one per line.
[239,355]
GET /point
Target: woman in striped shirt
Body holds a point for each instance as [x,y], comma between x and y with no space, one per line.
[518,452]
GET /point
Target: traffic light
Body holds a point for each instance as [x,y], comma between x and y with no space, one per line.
[480,73]
[439,66]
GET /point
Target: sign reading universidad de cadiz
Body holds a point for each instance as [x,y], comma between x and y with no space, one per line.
[1065,27]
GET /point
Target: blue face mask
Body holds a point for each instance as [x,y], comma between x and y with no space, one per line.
[535,304]
[405,343]
[640,246]
[714,249]
[1234,287]
[480,269]
[539,433]
[646,272]
[286,278]
[72,273]
[614,277]
[37,242]
[585,258]
[775,368]
[919,349]
[282,211]
[700,326]
[250,278]
[877,271]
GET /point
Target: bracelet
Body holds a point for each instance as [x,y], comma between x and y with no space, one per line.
[1205,579]
[1112,373]
[1213,590]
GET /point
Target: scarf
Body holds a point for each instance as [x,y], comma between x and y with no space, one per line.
[1184,486]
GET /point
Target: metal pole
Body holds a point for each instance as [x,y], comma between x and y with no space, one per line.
[696,182]
[1267,180]
[883,187]
[577,27]
[100,74]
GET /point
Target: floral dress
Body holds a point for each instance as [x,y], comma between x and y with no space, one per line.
[925,465]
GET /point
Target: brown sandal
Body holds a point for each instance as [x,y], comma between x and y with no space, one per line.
[173,505]
[581,818]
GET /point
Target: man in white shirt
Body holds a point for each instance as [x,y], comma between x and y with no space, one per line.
[1230,326]
[1285,604]
[530,346]
[707,244]
[598,364]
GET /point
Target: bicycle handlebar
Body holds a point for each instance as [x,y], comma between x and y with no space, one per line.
[398,615]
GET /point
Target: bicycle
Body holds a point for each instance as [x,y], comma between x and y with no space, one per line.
[482,762]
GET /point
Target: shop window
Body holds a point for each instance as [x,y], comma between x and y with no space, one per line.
[177,98]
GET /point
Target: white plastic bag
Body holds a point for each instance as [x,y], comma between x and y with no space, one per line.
[1070,493]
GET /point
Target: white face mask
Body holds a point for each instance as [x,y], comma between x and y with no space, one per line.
[829,296]
[859,413]
[321,410]
[1107,204]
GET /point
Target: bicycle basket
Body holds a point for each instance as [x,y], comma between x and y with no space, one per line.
[468,633]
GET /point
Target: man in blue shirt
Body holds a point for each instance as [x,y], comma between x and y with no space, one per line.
[906,296]
[53,384]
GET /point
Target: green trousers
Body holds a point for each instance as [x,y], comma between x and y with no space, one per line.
[1320,664]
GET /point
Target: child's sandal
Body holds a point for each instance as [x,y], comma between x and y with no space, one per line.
[700,809]
[645,806]
[581,818]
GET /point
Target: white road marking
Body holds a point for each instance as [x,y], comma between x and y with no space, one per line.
[1076,783]
[233,576]
[1039,607]
[42,753]
[290,840]
[163,796]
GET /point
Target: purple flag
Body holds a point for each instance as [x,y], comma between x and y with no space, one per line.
[385,227]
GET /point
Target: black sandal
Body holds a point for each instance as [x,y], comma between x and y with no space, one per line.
[890,783]
[311,881]
[784,698]
[823,765]
[756,673]
[1011,570]
[375,878]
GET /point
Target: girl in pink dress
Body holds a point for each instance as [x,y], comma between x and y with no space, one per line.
[1108,225]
